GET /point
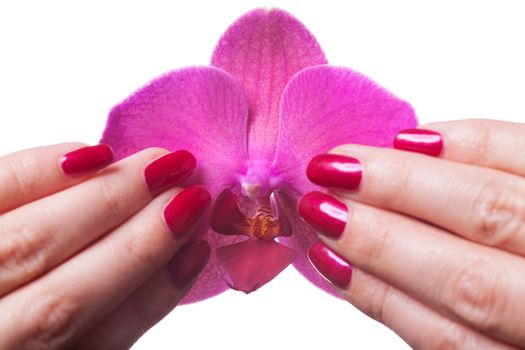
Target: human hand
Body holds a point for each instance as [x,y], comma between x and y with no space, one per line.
[87,259]
[431,247]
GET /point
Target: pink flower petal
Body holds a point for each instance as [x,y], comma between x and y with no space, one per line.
[302,237]
[226,217]
[253,263]
[202,110]
[326,106]
[263,50]
[323,107]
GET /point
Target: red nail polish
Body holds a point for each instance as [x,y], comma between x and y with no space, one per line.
[185,209]
[324,213]
[86,159]
[330,265]
[189,261]
[335,171]
[169,170]
[420,141]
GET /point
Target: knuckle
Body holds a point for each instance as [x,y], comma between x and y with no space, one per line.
[380,305]
[476,143]
[373,247]
[20,170]
[145,317]
[112,201]
[23,254]
[141,251]
[476,294]
[397,187]
[450,337]
[498,215]
[53,320]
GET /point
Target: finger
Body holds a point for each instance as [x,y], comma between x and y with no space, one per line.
[481,204]
[31,247]
[151,302]
[42,234]
[35,173]
[72,298]
[486,143]
[420,326]
[481,286]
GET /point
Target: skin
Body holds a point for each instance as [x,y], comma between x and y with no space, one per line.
[438,244]
[61,283]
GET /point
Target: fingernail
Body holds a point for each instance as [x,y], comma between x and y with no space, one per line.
[189,261]
[86,159]
[185,209]
[420,141]
[335,171]
[324,213]
[330,265]
[169,170]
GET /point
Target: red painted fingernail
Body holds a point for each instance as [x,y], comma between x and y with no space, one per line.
[420,141]
[330,265]
[189,261]
[86,159]
[335,171]
[169,170]
[185,209]
[324,213]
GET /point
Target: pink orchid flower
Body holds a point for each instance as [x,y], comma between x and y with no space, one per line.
[254,118]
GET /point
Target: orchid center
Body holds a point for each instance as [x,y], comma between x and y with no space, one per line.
[255,212]
[254,208]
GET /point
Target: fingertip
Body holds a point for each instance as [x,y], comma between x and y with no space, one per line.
[189,261]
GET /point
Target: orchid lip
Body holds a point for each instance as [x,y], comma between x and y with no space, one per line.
[258,214]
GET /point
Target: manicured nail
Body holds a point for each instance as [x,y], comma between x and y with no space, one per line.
[335,171]
[324,213]
[330,265]
[420,141]
[169,170]
[189,261]
[86,159]
[185,209]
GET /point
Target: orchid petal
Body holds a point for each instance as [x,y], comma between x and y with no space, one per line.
[325,106]
[264,49]
[302,238]
[226,217]
[202,110]
[253,263]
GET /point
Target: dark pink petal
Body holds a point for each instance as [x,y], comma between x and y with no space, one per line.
[202,110]
[263,50]
[324,107]
[226,217]
[302,238]
[253,263]
[327,106]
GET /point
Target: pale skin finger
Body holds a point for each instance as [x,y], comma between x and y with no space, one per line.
[42,234]
[487,143]
[480,204]
[401,313]
[35,173]
[478,285]
[72,298]
[149,303]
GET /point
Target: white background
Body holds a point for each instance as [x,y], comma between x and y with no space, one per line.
[64,64]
